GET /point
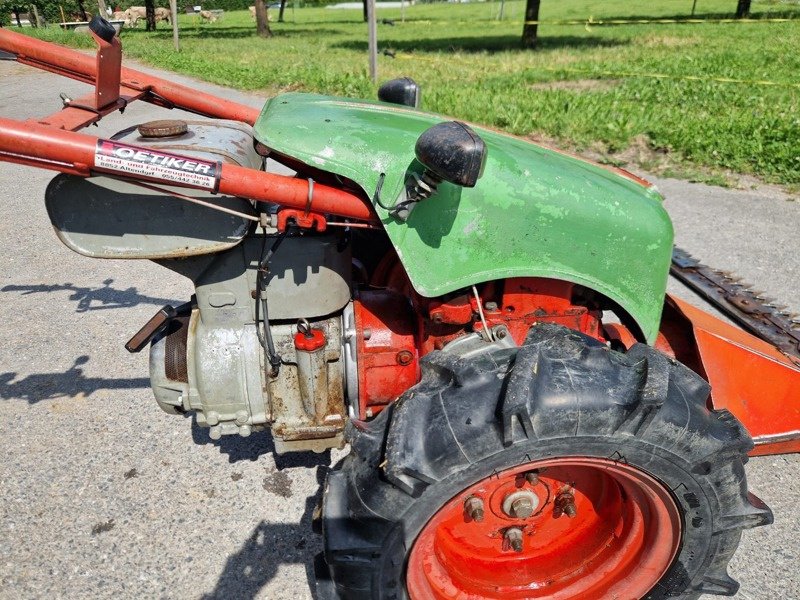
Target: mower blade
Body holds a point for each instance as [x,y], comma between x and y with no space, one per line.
[739,302]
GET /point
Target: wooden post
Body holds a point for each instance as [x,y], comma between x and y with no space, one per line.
[173,7]
[63,17]
[101,6]
[373,41]
[39,20]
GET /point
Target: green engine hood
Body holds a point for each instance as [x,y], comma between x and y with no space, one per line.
[534,213]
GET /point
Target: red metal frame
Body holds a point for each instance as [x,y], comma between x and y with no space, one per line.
[77,65]
[386,346]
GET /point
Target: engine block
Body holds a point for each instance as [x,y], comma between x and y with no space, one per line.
[211,361]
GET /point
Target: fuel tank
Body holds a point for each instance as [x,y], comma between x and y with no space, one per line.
[104,217]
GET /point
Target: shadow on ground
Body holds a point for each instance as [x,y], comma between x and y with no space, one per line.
[240,32]
[486,43]
[71,383]
[92,298]
[269,546]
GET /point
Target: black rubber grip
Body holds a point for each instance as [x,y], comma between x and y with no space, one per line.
[102,28]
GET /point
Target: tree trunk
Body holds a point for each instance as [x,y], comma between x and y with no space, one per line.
[366,14]
[16,14]
[530,31]
[84,16]
[280,13]
[262,21]
[150,15]
[743,9]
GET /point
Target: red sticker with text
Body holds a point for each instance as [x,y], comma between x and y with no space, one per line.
[114,157]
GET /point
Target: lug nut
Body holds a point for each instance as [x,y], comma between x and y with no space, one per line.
[521,508]
[404,358]
[474,508]
[520,504]
[513,539]
[565,504]
[532,478]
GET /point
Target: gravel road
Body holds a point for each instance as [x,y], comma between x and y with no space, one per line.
[105,496]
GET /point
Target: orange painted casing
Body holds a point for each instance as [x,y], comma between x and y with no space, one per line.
[749,377]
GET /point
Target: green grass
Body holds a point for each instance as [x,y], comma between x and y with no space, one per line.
[470,66]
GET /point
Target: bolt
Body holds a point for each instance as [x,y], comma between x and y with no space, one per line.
[404,357]
[532,477]
[513,539]
[500,333]
[521,508]
[474,508]
[490,306]
[520,504]
[565,504]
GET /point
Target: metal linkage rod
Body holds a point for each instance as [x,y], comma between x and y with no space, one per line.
[78,153]
[83,67]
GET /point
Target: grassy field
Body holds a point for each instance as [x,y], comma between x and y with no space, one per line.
[587,88]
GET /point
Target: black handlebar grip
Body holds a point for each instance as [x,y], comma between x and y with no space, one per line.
[102,28]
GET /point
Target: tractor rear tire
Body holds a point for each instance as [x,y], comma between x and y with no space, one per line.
[637,489]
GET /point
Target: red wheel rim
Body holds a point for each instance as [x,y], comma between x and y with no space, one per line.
[624,533]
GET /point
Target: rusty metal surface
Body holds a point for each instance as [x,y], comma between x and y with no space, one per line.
[175,364]
[163,128]
[756,313]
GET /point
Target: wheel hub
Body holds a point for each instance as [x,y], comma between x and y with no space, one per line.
[560,529]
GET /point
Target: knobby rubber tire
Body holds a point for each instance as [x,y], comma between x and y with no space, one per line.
[560,394]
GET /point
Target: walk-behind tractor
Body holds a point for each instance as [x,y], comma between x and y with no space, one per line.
[483,320]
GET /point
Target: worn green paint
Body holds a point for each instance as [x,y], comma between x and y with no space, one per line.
[535,212]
